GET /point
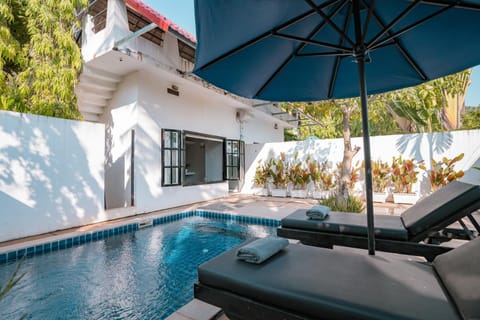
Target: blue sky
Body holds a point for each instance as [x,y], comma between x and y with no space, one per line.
[182,13]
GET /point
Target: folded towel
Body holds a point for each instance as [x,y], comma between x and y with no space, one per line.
[261,249]
[318,212]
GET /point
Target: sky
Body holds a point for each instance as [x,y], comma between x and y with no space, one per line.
[181,12]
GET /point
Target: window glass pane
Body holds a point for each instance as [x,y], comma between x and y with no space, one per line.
[166,139]
[175,176]
[175,159]
[175,139]
[234,173]
[166,158]
[234,146]
[229,146]
[229,160]
[235,160]
[167,176]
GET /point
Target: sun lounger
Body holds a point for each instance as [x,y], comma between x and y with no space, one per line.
[406,234]
[303,282]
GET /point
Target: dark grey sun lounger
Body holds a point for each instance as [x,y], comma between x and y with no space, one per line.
[427,219]
[303,282]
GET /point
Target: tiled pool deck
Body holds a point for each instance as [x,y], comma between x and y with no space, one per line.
[268,210]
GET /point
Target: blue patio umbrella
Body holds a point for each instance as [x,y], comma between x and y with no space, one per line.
[308,50]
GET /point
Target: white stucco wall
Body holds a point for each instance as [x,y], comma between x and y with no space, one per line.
[120,120]
[419,146]
[51,174]
[143,104]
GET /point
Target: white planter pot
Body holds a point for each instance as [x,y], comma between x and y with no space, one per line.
[380,197]
[279,192]
[298,193]
[407,198]
[322,194]
[260,192]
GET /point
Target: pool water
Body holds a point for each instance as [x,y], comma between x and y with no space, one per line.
[147,274]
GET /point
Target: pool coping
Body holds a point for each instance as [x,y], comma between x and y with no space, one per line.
[50,243]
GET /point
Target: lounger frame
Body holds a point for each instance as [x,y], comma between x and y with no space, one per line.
[328,240]
[412,246]
[238,307]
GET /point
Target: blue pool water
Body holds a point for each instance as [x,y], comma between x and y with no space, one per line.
[147,274]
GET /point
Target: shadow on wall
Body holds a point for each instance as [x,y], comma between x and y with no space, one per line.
[424,146]
[50,174]
[411,144]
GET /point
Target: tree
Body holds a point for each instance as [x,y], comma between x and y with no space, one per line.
[334,118]
[44,62]
[432,106]
[471,119]
[347,107]
[11,57]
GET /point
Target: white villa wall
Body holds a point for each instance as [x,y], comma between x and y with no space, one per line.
[120,120]
[419,146]
[51,174]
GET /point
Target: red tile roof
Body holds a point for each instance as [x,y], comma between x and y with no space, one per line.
[154,16]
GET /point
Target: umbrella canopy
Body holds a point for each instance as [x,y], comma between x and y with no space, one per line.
[308,50]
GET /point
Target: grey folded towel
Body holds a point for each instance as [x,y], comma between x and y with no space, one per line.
[261,249]
[318,212]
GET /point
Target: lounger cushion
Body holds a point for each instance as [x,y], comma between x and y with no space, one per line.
[386,227]
[332,284]
[440,205]
[459,271]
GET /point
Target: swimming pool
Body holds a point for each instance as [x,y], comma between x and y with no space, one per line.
[145,274]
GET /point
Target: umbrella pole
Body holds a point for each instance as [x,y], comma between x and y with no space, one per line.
[360,59]
[366,150]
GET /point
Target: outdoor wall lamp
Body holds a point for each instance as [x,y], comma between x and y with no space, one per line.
[173,90]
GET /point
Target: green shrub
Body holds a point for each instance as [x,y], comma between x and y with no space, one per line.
[354,204]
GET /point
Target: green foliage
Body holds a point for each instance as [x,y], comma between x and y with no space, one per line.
[354,174]
[471,119]
[353,204]
[263,172]
[290,135]
[41,65]
[443,171]
[380,175]
[12,281]
[405,174]
[415,109]
[420,108]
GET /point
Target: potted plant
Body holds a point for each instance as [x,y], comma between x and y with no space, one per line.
[325,182]
[380,178]
[263,176]
[314,174]
[443,172]
[280,171]
[299,178]
[354,174]
[404,176]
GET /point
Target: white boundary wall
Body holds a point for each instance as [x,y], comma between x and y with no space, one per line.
[419,146]
[51,174]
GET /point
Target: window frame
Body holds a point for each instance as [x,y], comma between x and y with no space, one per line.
[179,159]
[240,156]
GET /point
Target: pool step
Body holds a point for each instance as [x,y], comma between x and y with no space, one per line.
[198,310]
